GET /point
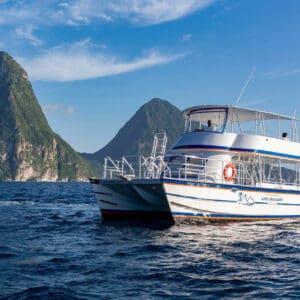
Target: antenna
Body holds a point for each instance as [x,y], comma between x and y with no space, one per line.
[294,128]
[245,86]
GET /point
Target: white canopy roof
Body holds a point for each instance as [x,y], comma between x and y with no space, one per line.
[235,114]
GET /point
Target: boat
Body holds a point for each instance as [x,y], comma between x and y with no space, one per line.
[230,164]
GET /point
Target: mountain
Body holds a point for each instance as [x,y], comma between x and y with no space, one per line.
[29,149]
[136,136]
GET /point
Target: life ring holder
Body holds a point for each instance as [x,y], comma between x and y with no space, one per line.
[229,166]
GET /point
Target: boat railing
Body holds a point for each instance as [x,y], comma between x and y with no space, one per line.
[134,166]
[111,167]
[204,170]
[199,169]
[118,168]
[130,167]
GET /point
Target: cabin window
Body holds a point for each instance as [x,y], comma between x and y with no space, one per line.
[185,166]
[256,170]
[209,120]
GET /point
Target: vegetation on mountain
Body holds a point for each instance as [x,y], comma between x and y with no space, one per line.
[29,149]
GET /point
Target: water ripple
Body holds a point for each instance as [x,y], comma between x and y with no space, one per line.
[53,245]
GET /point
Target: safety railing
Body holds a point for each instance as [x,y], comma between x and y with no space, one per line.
[133,167]
[193,168]
[198,169]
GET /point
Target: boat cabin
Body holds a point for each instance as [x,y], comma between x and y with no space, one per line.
[234,145]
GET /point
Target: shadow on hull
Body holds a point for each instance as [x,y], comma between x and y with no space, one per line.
[110,215]
[153,220]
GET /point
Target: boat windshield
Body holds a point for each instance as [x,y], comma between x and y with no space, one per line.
[211,119]
[239,120]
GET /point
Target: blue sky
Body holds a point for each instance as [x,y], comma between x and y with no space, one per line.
[93,63]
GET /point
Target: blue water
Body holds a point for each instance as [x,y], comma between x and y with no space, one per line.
[53,245]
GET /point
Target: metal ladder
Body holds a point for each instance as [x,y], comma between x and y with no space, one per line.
[156,160]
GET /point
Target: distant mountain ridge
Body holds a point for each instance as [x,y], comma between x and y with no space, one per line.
[136,136]
[29,149]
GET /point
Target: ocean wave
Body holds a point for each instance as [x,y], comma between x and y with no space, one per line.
[43,292]
[8,203]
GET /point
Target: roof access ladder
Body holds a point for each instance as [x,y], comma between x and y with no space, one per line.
[155,162]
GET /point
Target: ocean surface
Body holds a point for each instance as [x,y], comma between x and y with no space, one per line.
[54,245]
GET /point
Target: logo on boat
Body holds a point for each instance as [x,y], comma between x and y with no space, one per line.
[245,199]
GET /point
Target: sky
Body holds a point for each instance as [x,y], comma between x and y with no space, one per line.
[93,63]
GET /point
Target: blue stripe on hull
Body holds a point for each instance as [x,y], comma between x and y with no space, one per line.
[227,201]
[212,147]
[229,216]
[229,186]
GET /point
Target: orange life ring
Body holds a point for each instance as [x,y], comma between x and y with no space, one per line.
[229,172]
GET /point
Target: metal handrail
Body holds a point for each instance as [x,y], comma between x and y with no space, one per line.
[247,173]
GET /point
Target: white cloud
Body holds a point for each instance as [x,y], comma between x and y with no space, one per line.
[39,13]
[282,74]
[18,15]
[51,108]
[58,108]
[69,110]
[80,61]
[78,12]
[27,33]
[135,11]
[292,72]
[187,37]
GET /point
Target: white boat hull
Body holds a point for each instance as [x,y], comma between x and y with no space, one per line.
[136,199]
[156,199]
[230,202]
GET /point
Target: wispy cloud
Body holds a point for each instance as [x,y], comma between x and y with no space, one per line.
[282,74]
[135,11]
[80,61]
[27,33]
[51,108]
[187,37]
[70,109]
[20,13]
[254,103]
[67,110]
[144,12]
[291,72]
